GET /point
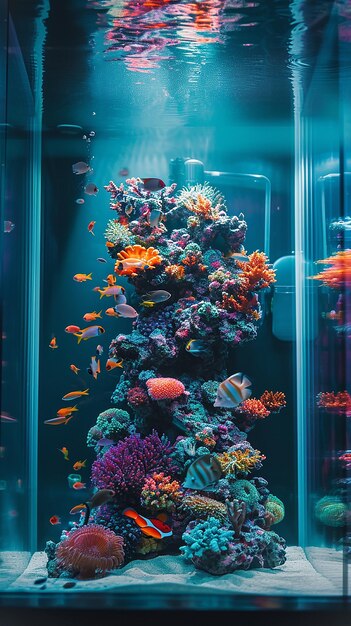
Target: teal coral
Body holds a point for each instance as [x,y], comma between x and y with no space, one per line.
[243,490]
[206,536]
[111,424]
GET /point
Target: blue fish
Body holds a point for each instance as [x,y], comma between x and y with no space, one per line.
[203,473]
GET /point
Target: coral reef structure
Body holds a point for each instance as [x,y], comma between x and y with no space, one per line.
[196,291]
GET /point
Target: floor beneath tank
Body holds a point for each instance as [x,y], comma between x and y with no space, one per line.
[166,574]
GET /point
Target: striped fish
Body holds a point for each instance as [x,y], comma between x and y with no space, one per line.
[233,391]
[203,473]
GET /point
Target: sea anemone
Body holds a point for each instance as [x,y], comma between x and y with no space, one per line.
[202,507]
[165,388]
[91,550]
[273,400]
[136,257]
[110,516]
[160,493]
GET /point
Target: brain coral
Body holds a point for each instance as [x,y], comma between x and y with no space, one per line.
[165,388]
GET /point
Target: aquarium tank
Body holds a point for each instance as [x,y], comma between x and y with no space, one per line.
[175,304]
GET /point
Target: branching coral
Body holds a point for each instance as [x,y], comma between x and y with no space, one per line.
[339,402]
[240,461]
[160,492]
[253,408]
[205,191]
[256,272]
[125,466]
[202,207]
[90,551]
[273,401]
[338,275]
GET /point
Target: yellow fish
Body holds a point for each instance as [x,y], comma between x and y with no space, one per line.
[79,464]
[81,278]
[64,452]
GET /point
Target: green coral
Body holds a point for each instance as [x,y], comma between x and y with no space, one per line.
[331,511]
[244,491]
[276,508]
[209,535]
[110,424]
[118,234]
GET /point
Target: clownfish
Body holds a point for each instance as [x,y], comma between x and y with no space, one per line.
[154,527]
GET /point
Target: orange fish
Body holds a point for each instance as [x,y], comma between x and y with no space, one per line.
[112,363]
[79,464]
[90,317]
[64,452]
[152,527]
[90,227]
[74,369]
[109,244]
[111,280]
[65,412]
[57,421]
[79,485]
[72,329]
[72,395]
[111,312]
[78,508]
[54,520]
[81,278]
[53,343]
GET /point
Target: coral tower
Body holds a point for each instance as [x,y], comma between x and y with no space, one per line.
[197,295]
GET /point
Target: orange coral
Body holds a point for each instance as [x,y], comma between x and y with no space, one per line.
[255,408]
[256,271]
[241,304]
[136,257]
[164,388]
[202,206]
[91,550]
[175,271]
[273,400]
[339,402]
[243,461]
[339,273]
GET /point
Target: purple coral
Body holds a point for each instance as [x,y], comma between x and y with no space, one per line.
[125,466]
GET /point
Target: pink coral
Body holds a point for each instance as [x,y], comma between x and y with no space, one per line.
[160,493]
[165,388]
[91,550]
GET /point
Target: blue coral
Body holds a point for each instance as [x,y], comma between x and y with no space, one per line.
[207,536]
